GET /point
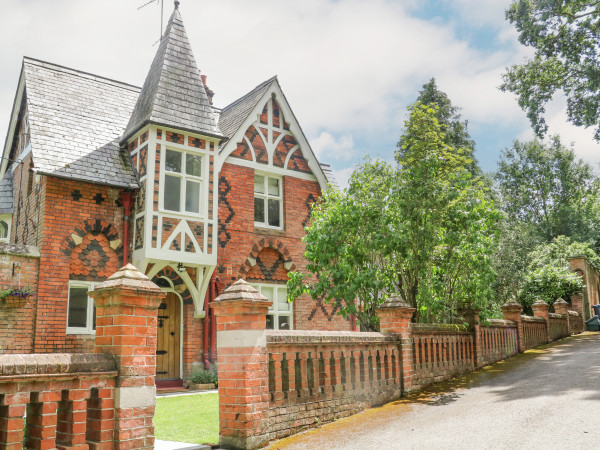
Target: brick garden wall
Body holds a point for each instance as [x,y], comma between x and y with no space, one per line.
[274,383]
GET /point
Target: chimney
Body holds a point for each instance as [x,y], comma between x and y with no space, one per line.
[209,93]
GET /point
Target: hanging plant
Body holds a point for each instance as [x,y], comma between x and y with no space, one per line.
[15,297]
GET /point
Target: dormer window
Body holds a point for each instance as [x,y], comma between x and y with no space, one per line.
[268,201]
[182,182]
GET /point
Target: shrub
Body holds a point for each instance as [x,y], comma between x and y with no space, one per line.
[549,283]
[203,376]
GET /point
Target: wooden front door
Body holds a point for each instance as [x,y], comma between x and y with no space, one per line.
[169,338]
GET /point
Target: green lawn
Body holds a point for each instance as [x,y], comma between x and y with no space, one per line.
[188,418]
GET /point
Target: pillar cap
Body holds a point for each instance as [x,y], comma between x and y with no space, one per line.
[560,301]
[395,301]
[241,290]
[128,277]
[512,305]
[539,302]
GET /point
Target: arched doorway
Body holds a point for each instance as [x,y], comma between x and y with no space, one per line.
[168,346]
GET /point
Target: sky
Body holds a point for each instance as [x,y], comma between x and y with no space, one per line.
[349,68]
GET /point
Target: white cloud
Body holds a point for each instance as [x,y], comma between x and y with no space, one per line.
[342,176]
[326,145]
[349,68]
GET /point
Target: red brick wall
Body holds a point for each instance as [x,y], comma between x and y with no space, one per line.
[16,324]
[74,210]
[239,239]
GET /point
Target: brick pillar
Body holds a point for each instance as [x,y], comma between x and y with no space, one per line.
[577,303]
[471,316]
[242,358]
[395,317]
[540,309]
[126,309]
[512,311]
[562,307]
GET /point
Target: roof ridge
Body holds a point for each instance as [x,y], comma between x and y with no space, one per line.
[81,73]
[261,85]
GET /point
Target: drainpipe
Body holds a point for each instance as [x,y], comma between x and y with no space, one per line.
[205,330]
[126,201]
[213,320]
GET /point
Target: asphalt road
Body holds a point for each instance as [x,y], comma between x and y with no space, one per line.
[548,398]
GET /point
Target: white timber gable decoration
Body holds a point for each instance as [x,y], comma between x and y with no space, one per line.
[271,141]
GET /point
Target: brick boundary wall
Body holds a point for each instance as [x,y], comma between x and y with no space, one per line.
[276,383]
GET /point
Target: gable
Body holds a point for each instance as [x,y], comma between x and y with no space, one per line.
[269,138]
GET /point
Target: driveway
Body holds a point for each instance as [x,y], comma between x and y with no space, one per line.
[545,398]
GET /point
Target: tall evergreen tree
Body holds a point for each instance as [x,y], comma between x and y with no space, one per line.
[454,128]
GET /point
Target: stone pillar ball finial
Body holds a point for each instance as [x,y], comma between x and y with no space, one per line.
[176,4]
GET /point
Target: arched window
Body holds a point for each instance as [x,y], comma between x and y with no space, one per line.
[3,230]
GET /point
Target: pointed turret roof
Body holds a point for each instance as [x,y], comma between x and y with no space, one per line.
[173,94]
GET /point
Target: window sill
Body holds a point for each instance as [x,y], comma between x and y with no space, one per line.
[81,333]
[270,231]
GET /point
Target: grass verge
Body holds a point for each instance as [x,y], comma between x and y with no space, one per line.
[188,418]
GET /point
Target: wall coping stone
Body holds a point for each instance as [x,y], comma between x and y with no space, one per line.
[19,250]
[533,319]
[439,327]
[573,313]
[501,323]
[325,337]
[556,316]
[55,363]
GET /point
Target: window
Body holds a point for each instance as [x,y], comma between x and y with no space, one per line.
[4,230]
[81,318]
[182,183]
[280,313]
[268,201]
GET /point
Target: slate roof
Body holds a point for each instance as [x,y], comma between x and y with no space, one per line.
[76,120]
[173,93]
[233,115]
[6,193]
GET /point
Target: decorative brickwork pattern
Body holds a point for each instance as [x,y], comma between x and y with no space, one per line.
[168,226]
[178,284]
[175,137]
[139,233]
[143,161]
[93,259]
[269,267]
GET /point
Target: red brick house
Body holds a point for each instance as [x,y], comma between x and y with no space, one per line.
[96,173]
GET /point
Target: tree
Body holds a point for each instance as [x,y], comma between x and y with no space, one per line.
[348,245]
[549,276]
[546,186]
[456,134]
[564,34]
[424,230]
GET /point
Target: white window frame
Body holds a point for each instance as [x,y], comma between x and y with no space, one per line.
[88,329]
[266,196]
[6,218]
[274,308]
[182,188]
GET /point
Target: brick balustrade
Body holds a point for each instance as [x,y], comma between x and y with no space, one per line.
[276,383]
